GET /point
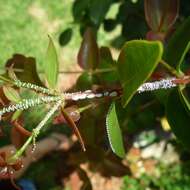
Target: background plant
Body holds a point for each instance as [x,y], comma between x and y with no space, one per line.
[137,63]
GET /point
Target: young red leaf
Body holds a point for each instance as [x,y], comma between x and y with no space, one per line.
[72,124]
[72,111]
[24,68]
[88,56]
[18,134]
[3,99]
[161,14]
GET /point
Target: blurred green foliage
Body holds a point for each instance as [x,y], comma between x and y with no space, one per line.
[170,178]
[24,29]
[24,26]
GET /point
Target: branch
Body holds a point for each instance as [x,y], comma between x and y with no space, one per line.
[148,86]
[34,87]
[36,131]
[27,103]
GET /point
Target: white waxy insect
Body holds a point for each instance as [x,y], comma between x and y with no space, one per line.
[113,94]
[82,96]
[88,91]
[4,170]
[99,95]
[90,96]
[162,84]
[75,98]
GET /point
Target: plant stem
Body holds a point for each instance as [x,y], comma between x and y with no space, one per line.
[71,72]
[82,109]
[103,70]
[19,152]
[5,79]
[35,132]
[170,68]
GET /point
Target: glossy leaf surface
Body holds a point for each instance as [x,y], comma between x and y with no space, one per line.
[114,132]
[88,56]
[11,94]
[51,65]
[137,61]
[161,14]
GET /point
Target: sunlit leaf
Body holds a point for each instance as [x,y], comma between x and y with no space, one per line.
[114,132]
[11,94]
[16,115]
[136,63]
[51,65]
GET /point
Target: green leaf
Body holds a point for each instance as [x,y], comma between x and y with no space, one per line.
[79,8]
[178,118]
[65,37]
[107,63]
[137,61]
[85,81]
[11,94]
[98,10]
[51,65]
[178,45]
[114,132]
[16,115]
[88,56]
[105,55]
